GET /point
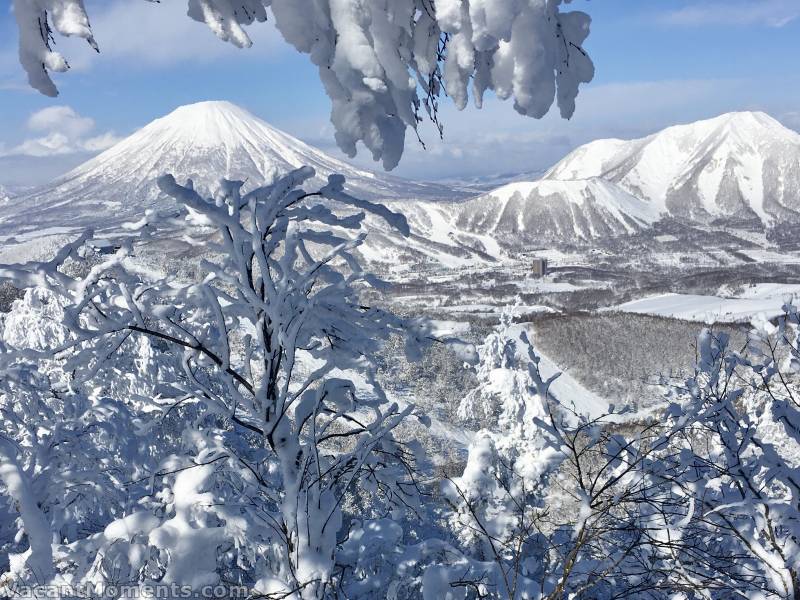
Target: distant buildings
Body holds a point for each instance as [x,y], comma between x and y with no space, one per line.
[539,267]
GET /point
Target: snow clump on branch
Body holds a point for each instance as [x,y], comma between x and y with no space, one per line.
[383,64]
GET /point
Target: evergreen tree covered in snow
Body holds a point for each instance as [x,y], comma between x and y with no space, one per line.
[548,503]
[701,503]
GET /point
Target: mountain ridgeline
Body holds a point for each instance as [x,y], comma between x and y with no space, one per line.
[738,167]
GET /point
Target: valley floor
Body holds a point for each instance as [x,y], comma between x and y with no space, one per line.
[619,318]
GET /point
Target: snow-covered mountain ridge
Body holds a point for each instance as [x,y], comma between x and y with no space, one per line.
[741,165]
[205,142]
[566,210]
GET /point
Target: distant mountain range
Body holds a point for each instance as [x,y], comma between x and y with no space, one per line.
[742,166]
[551,209]
[487,183]
[739,166]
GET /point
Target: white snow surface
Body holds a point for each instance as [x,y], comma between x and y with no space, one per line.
[742,165]
[761,300]
[567,390]
[566,209]
[572,393]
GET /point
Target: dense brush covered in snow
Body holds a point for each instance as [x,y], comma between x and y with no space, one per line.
[259,362]
[243,436]
[383,64]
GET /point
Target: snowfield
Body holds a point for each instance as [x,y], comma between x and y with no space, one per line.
[571,393]
[765,300]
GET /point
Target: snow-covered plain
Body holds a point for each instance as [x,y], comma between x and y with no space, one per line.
[760,300]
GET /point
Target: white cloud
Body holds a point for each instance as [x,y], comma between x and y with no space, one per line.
[772,13]
[63,131]
[49,145]
[60,119]
[100,142]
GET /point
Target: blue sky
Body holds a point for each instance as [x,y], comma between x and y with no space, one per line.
[658,63]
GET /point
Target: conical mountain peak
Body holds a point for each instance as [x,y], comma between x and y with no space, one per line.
[205,142]
[216,122]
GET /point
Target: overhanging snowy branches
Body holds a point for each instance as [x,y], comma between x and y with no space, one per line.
[382,62]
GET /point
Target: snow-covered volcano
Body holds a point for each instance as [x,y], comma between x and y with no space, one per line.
[565,210]
[204,142]
[742,165]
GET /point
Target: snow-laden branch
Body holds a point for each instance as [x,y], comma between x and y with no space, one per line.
[383,64]
[17,486]
[267,356]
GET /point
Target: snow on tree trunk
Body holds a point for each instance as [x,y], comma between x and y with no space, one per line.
[39,558]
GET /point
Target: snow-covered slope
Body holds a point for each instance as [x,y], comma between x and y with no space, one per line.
[435,238]
[741,165]
[203,141]
[766,299]
[567,210]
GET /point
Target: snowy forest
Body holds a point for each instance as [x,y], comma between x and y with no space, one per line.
[233,366]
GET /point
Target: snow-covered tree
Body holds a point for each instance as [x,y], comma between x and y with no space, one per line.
[236,418]
[383,63]
[70,450]
[732,525]
[498,500]
[550,504]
